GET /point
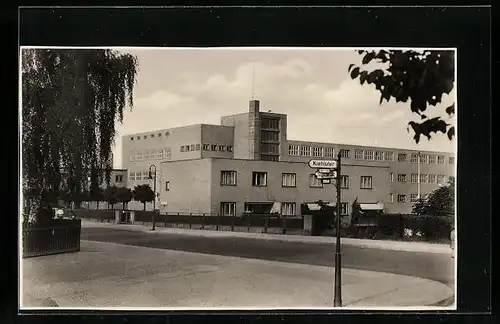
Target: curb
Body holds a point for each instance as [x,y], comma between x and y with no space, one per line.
[369,244]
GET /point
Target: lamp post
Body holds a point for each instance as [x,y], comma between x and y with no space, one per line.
[152,175]
[337,301]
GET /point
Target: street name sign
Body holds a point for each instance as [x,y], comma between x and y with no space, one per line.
[321,175]
[323,164]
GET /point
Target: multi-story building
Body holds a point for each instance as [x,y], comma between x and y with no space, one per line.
[247,164]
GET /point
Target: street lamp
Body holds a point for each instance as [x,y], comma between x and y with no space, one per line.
[152,175]
[337,299]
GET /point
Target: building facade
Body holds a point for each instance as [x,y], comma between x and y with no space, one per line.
[247,164]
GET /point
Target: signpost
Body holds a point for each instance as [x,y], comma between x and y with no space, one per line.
[327,170]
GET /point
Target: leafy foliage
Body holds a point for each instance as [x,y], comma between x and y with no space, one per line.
[70,102]
[111,195]
[124,195]
[440,202]
[144,194]
[421,78]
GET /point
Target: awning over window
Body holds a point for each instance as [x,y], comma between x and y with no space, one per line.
[377,206]
[314,206]
[276,207]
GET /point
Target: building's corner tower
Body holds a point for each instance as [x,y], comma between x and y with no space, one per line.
[254,129]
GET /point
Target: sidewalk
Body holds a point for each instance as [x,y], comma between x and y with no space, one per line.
[105,275]
[364,243]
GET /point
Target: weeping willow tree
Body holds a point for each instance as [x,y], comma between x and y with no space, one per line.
[71,100]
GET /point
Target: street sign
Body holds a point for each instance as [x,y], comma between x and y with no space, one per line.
[325,170]
[326,181]
[321,175]
[324,164]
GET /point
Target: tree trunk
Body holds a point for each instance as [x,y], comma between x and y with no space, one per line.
[144,206]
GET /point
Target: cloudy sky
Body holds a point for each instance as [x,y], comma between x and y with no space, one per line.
[178,87]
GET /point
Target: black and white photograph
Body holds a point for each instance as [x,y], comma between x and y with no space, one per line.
[237,178]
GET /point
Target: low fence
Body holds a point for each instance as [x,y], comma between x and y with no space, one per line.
[99,215]
[57,236]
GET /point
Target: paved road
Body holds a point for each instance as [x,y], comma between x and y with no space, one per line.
[438,267]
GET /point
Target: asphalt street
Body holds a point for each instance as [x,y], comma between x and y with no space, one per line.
[438,267]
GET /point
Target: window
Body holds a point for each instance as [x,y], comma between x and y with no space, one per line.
[206,147]
[145,136]
[431,178]
[344,153]
[288,179]
[131,138]
[167,133]
[401,157]
[391,197]
[145,175]
[228,178]
[221,148]
[317,151]
[366,182]
[451,160]
[167,185]
[270,149]
[228,209]
[145,154]
[389,156]
[413,197]
[187,148]
[268,136]
[329,152]
[401,198]
[293,150]
[414,178]
[229,148]
[132,176]
[368,155]
[315,182]
[344,181]
[118,178]
[414,158]
[159,154]
[379,155]
[432,159]
[152,154]
[160,134]
[288,209]
[183,148]
[167,152]
[132,157]
[358,154]
[344,209]
[259,178]
[401,177]
[424,158]
[138,176]
[265,157]
[268,123]
[305,151]
[197,147]
[440,159]
[391,177]
[152,135]
[214,147]
[193,147]
[138,155]
[423,178]
[138,137]
[451,179]
[440,178]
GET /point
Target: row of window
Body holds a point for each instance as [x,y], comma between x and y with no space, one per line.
[289,180]
[212,147]
[151,154]
[138,176]
[424,178]
[287,209]
[149,136]
[372,155]
[315,151]
[403,198]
